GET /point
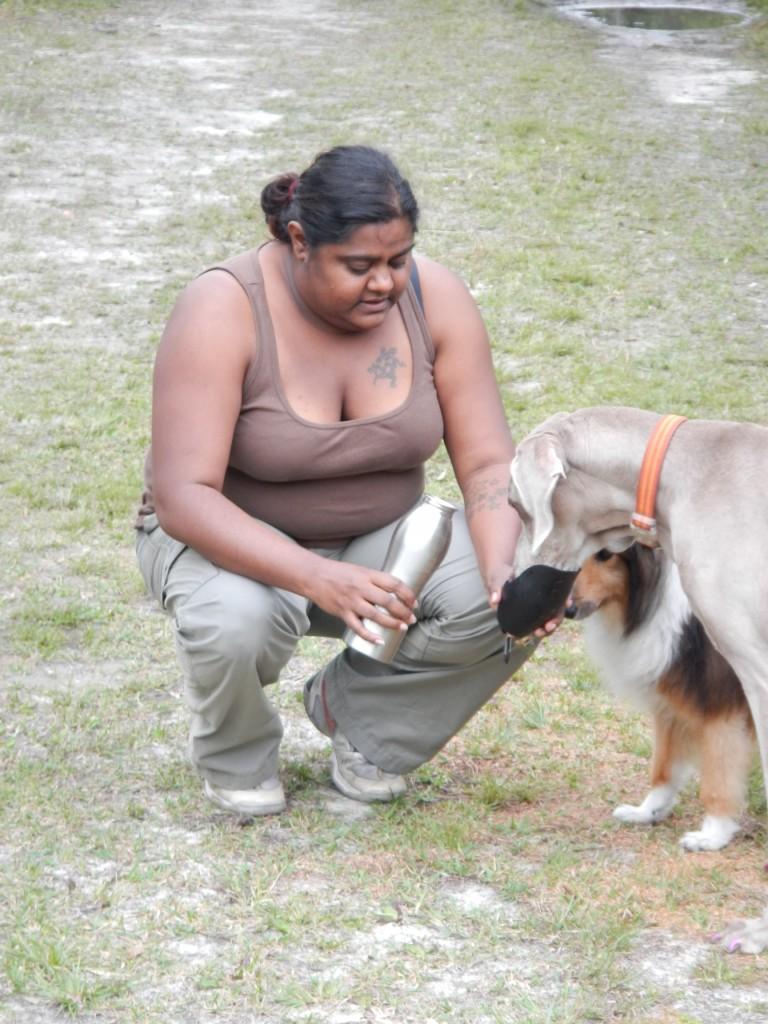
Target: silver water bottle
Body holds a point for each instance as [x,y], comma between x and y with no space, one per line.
[416,549]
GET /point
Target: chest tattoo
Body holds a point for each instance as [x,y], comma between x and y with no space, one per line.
[384,367]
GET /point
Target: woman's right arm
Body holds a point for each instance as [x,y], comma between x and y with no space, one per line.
[201,364]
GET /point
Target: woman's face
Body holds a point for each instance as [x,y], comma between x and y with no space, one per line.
[352,285]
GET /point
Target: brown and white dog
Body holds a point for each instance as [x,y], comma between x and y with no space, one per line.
[652,653]
[573,481]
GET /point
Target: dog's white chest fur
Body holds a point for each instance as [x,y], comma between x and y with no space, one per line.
[630,666]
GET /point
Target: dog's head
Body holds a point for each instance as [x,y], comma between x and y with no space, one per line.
[602,583]
[623,586]
[567,515]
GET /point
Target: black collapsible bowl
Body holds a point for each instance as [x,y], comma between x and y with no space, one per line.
[530,600]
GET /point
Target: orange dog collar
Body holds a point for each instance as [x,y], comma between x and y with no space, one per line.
[643,521]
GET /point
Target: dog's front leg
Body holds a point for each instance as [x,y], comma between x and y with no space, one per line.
[725,759]
[750,936]
[669,771]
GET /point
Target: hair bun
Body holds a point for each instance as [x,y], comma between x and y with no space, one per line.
[290,191]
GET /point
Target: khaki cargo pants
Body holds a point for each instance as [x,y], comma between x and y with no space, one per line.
[234,636]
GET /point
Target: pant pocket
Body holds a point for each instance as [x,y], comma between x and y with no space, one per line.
[156,554]
[173,552]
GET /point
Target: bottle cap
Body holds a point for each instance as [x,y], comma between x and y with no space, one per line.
[444,506]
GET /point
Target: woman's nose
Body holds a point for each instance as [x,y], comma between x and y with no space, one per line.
[380,280]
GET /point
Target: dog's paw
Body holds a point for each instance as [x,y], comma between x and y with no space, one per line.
[749,936]
[640,815]
[634,815]
[656,806]
[714,834]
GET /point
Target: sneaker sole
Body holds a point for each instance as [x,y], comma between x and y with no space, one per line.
[275,807]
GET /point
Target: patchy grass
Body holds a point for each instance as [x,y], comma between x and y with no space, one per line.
[616,246]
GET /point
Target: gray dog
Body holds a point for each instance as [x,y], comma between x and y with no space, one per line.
[573,483]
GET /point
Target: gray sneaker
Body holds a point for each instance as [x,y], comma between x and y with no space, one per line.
[266,798]
[352,774]
[355,776]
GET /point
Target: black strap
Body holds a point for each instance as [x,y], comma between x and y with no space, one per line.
[416,283]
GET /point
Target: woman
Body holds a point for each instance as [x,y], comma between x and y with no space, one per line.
[298,391]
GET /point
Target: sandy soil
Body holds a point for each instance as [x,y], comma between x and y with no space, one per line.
[134,122]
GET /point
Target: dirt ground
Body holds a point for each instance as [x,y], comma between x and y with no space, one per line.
[130,134]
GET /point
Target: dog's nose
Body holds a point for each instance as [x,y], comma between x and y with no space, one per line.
[582,610]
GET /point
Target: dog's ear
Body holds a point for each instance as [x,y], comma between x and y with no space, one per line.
[644,566]
[536,468]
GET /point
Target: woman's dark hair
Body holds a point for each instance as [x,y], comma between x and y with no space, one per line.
[344,188]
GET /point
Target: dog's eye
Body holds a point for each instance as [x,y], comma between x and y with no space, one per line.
[604,555]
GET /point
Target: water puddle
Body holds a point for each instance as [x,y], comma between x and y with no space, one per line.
[686,51]
[662,19]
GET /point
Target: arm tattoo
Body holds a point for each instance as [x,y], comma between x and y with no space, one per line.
[487,496]
[384,367]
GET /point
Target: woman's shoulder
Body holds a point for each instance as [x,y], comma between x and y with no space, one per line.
[445,294]
[213,307]
[223,280]
[437,275]
[210,292]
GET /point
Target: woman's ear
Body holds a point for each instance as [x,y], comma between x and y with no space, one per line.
[299,245]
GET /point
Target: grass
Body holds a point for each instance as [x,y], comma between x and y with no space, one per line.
[616,246]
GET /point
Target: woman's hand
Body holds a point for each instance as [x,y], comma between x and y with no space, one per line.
[549,627]
[495,580]
[353,593]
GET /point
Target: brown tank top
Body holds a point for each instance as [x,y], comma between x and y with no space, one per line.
[324,483]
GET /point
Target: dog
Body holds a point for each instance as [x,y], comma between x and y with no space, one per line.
[652,653]
[573,482]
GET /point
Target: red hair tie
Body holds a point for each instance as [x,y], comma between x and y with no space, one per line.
[292,189]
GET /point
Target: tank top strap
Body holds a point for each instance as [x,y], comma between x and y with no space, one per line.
[246,270]
[416,327]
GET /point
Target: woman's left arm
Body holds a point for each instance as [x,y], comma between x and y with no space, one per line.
[477,436]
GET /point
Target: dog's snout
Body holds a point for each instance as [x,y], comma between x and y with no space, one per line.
[581,609]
